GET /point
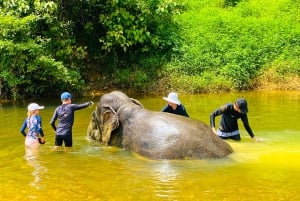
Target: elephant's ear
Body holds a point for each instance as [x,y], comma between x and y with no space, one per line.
[136,102]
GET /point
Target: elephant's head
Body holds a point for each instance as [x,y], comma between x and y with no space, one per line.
[105,119]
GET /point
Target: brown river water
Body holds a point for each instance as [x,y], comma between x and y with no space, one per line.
[268,170]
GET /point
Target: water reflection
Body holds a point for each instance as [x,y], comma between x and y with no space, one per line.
[38,170]
[166,176]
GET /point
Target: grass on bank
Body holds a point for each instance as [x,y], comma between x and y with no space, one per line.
[250,45]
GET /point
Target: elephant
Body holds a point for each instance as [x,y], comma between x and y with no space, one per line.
[123,122]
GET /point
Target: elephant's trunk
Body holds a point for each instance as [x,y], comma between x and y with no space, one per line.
[107,133]
[95,119]
[109,121]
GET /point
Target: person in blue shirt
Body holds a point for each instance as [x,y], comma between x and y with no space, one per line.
[230,113]
[65,115]
[174,105]
[35,134]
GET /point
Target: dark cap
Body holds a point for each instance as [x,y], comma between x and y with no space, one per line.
[242,104]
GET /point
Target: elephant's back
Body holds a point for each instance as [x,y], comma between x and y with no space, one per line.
[160,135]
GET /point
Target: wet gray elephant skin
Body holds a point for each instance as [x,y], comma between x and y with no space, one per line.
[122,121]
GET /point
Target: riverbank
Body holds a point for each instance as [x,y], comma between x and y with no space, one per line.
[268,80]
[271,80]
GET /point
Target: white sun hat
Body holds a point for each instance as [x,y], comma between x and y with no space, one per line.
[173,98]
[34,106]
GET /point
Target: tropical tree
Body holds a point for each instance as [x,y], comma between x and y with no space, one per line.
[36,51]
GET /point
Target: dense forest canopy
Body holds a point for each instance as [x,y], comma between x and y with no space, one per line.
[50,46]
[147,45]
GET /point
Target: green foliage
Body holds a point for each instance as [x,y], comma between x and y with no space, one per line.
[50,46]
[130,23]
[36,51]
[136,80]
[25,70]
[236,40]
[47,46]
[138,30]
[126,35]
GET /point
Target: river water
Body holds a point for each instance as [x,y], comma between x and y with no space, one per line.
[268,170]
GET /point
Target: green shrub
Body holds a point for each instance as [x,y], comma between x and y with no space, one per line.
[235,40]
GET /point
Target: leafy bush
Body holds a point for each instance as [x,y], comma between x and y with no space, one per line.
[235,41]
[35,51]
[77,37]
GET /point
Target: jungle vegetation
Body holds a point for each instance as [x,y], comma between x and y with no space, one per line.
[195,46]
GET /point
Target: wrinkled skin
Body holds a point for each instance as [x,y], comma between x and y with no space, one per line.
[122,121]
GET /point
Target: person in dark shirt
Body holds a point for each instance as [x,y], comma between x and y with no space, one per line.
[228,127]
[174,106]
[65,114]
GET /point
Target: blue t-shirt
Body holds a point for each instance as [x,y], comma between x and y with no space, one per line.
[34,125]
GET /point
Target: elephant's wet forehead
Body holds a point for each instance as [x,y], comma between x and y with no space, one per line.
[114,99]
[104,103]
